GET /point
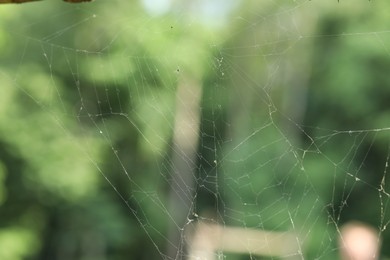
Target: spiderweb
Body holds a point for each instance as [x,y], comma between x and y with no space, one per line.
[137,123]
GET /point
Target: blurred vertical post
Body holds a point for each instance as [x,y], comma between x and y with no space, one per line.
[185,142]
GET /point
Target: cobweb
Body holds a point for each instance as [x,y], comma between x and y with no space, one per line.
[244,116]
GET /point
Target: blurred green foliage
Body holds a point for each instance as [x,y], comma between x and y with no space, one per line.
[293,133]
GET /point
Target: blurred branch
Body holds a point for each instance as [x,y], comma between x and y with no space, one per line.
[208,238]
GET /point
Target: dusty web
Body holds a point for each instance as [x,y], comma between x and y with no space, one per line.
[225,130]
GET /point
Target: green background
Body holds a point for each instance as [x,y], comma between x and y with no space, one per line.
[293,132]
